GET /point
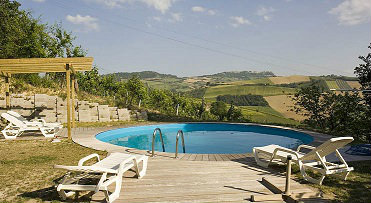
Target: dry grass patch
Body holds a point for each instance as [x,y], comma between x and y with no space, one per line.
[289,79]
[26,168]
[283,104]
[354,84]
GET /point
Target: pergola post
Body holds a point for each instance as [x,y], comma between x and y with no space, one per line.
[68,92]
[73,99]
[7,91]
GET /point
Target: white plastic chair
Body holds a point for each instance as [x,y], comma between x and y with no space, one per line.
[314,160]
[17,127]
[107,171]
[36,123]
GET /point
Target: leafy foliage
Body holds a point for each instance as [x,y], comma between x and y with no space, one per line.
[340,114]
[243,100]
[219,109]
[234,114]
[363,72]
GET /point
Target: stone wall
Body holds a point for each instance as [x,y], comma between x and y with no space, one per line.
[54,109]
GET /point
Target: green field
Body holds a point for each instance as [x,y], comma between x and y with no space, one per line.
[264,114]
[332,84]
[254,81]
[168,84]
[212,92]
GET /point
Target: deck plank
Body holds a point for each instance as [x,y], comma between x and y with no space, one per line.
[179,180]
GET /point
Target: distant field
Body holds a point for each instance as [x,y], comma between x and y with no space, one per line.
[213,92]
[283,104]
[254,81]
[260,114]
[332,84]
[289,79]
[168,84]
[343,84]
[354,84]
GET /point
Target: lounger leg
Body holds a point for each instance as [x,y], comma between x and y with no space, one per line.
[142,172]
[113,196]
[7,132]
[63,194]
[308,178]
[258,161]
[345,176]
[46,133]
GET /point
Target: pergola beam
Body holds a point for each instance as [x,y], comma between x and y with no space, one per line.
[41,65]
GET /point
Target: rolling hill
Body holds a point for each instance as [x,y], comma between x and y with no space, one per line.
[276,90]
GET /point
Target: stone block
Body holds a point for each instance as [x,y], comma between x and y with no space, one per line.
[123,114]
[84,116]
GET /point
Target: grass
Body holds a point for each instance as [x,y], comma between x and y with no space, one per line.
[356,189]
[265,115]
[108,124]
[26,168]
[212,92]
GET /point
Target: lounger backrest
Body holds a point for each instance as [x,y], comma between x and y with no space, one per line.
[17,115]
[328,147]
[13,120]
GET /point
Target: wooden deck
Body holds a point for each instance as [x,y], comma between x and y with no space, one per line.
[199,181]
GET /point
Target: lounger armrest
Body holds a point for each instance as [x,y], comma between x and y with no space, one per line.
[83,160]
[287,151]
[123,163]
[305,146]
[91,169]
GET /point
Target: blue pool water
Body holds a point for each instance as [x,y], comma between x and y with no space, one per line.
[205,138]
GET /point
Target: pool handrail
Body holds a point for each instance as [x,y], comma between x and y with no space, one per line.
[153,141]
[180,132]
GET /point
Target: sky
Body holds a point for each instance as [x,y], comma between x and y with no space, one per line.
[197,37]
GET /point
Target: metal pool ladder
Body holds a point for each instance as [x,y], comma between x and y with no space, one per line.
[153,141]
[180,132]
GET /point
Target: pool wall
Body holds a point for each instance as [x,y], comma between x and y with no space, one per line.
[107,136]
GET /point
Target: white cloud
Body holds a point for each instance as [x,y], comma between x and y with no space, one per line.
[353,12]
[176,17]
[265,12]
[198,9]
[157,18]
[39,1]
[211,12]
[239,20]
[89,23]
[161,5]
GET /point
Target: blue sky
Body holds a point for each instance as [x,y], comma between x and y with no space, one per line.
[190,37]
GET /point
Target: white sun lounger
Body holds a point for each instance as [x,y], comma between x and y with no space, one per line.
[107,171]
[17,127]
[314,160]
[36,123]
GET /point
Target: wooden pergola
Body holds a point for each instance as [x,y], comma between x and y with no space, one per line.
[70,66]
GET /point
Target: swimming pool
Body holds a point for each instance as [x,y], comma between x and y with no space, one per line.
[205,138]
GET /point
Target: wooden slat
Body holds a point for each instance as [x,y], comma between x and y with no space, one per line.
[39,65]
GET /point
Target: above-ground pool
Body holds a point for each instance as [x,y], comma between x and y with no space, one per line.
[205,138]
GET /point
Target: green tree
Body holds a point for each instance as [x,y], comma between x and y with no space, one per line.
[219,109]
[233,114]
[363,72]
[136,89]
[339,114]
